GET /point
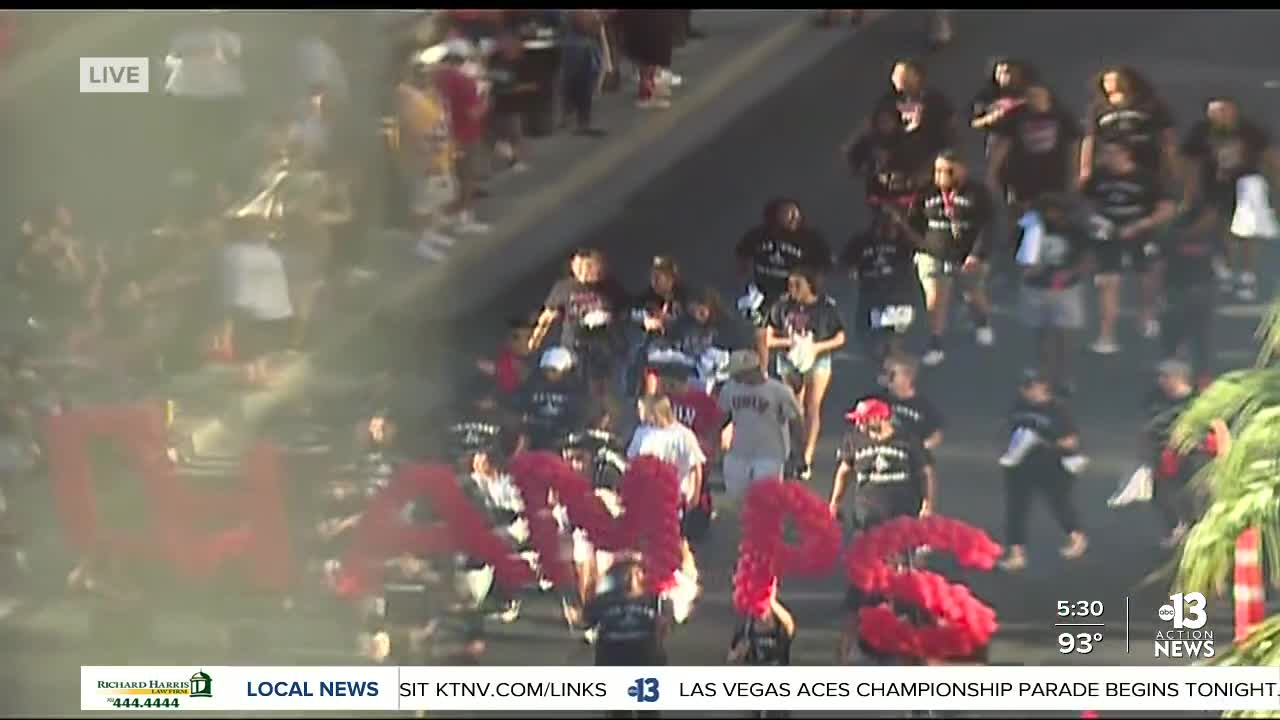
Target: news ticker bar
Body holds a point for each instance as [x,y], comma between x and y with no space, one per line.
[728,688]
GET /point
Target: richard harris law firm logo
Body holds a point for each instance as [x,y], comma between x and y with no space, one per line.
[115,74]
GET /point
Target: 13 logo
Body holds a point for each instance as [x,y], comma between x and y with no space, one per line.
[1186,611]
[644,690]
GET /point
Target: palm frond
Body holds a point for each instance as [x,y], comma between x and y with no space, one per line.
[1269,334]
[1236,396]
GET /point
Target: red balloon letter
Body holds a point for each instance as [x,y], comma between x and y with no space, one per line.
[962,623]
[383,532]
[763,555]
[650,525]
[251,517]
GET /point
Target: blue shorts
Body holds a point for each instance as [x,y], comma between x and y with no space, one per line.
[786,369]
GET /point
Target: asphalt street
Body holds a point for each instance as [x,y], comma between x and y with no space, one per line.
[786,145]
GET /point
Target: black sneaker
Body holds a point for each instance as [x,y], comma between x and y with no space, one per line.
[805,472]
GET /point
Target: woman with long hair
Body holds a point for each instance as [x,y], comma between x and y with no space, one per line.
[1126,109]
[1000,96]
[807,325]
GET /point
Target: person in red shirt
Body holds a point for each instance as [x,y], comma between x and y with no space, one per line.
[697,410]
[468,116]
[510,366]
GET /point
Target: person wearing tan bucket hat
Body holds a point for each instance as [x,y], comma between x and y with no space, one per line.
[768,425]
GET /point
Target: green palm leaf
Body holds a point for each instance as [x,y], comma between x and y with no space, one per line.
[1241,487]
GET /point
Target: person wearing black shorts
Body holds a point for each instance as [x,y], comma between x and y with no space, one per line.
[1132,206]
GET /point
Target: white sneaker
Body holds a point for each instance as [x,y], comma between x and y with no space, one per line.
[440,240]
[985,336]
[654,103]
[467,224]
[1248,287]
[428,251]
[933,357]
[509,614]
[1104,347]
[1074,464]
[519,167]
[1151,329]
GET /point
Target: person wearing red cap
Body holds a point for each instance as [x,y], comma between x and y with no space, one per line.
[893,474]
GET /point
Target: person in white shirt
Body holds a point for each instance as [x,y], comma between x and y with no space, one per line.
[255,293]
[767,424]
[661,436]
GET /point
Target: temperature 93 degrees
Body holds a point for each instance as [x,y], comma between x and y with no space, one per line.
[1079,624]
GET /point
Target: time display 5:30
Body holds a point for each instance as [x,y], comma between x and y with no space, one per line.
[1079,608]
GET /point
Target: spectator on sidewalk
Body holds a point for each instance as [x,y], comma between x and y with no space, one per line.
[425,158]
[206,82]
[648,36]
[254,295]
[320,65]
[583,63]
[512,90]
[468,115]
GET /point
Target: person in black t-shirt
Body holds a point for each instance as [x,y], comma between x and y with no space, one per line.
[892,473]
[913,415]
[1056,254]
[1004,92]
[952,219]
[1126,110]
[514,88]
[770,251]
[554,403]
[806,324]
[1224,147]
[764,641]
[599,456]
[1133,207]
[586,303]
[1190,295]
[882,155]
[881,259]
[1042,458]
[927,116]
[1033,151]
[631,623]
[656,313]
[1172,395]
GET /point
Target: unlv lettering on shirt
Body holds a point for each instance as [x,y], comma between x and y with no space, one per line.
[752,402]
